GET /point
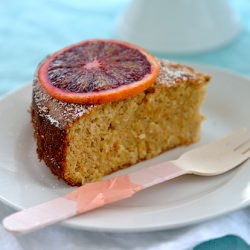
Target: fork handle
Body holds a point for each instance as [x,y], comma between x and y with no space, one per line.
[89,197]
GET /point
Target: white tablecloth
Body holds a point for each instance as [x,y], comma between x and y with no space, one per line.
[59,237]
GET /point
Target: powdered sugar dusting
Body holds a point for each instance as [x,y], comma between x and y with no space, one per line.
[58,113]
[172,73]
[52,120]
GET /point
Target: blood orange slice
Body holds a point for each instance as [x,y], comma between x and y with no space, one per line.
[97,71]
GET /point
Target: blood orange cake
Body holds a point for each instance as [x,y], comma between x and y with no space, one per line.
[84,141]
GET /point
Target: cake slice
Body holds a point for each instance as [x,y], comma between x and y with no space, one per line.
[81,143]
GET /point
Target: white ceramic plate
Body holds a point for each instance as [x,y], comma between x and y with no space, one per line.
[25,182]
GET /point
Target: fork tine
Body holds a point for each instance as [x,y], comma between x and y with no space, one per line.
[233,135]
[244,156]
[248,154]
[247,150]
[244,145]
[238,141]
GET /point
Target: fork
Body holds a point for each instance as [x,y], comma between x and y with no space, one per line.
[212,159]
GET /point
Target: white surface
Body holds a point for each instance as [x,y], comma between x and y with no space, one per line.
[57,237]
[178,26]
[186,200]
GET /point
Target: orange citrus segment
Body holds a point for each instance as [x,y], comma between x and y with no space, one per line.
[98,71]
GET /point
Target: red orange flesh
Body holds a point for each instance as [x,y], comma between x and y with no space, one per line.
[98,71]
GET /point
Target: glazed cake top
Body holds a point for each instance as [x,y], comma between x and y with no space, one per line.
[60,114]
